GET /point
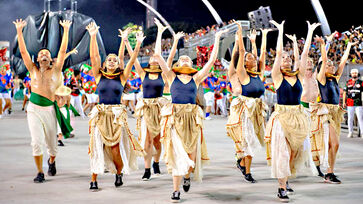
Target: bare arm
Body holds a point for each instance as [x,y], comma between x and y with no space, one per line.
[344,59]
[140,71]
[252,38]
[321,75]
[170,75]
[344,98]
[74,51]
[161,30]
[20,24]
[296,54]
[276,72]
[121,51]
[127,71]
[240,70]
[199,77]
[263,53]
[173,48]
[232,66]
[66,24]
[94,52]
[305,53]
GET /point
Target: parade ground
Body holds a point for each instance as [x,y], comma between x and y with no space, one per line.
[222,182]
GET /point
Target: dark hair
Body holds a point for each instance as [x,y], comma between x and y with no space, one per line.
[44,48]
[76,72]
[318,66]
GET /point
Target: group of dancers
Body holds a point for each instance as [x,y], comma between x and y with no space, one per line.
[300,136]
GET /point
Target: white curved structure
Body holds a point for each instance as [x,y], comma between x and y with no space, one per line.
[213,11]
[158,15]
[321,16]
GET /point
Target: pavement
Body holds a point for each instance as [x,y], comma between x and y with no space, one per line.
[222,182]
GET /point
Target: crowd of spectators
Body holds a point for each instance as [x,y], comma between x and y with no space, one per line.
[337,47]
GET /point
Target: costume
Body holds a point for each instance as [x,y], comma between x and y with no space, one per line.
[108,127]
[221,97]
[182,130]
[148,109]
[324,114]
[5,83]
[43,115]
[246,123]
[209,86]
[76,98]
[89,87]
[353,89]
[288,128]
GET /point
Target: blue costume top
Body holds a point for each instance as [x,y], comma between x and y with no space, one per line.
[110,90]
[254,89]
[329,93]
[289,95]
[183,93]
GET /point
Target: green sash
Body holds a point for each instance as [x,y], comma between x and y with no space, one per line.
[64,124]
[306,105]
[166,94]
[75,113]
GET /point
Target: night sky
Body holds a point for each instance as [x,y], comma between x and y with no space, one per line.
[113,14]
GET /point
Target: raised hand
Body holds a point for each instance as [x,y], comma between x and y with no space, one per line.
[331,36]
[238,25]
[220,33]
[125,33]
[19,24]
[179,35]
[140,37]
[160,26]
[265,30]
[66,24]
[313,26]
[92,28]
[319,39]
[252,35]
[74,51]
[291,37]
[278,26]
[352,43]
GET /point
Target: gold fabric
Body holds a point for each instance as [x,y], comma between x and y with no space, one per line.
[150,110]
[255,108]
[289,72]
[186,121]
[320,114]
[110,120]
[295,124]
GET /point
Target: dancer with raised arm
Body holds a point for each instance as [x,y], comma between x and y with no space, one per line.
[148,110]
[288,126]
[112,144]
[327,115]
[182,120]
[43,111]
[246,123]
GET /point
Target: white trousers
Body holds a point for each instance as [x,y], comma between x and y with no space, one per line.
[359,111]
[221,103]
[42,124]
[76,102]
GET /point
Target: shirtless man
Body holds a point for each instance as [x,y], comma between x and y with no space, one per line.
[310,87]
[42,110]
